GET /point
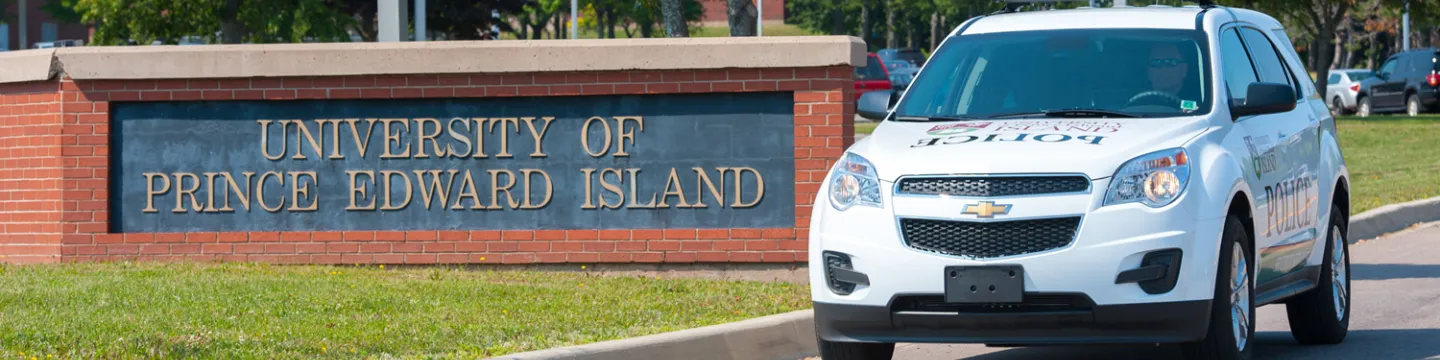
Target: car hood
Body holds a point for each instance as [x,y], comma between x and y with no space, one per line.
[1095,147]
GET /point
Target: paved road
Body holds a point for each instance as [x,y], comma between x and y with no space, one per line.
[1397,314]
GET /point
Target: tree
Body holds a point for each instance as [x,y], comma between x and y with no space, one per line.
[62,10]
[469,19]
[742,15]
[674,14]
[230,21]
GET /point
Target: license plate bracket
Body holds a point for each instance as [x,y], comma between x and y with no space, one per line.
[984,284]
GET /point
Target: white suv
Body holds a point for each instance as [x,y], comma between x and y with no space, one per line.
[1145,175]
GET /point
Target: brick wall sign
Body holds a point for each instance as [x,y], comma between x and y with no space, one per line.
[569,162]
[703,150]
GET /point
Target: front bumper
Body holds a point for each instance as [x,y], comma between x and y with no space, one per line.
[1165,322]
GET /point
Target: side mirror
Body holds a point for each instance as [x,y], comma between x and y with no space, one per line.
[1265,98]
[874,105]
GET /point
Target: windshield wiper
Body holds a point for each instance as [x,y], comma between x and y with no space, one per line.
[1070,113]
[933,118]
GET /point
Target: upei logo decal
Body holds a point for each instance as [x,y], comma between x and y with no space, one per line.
[957,129]
[1262,155]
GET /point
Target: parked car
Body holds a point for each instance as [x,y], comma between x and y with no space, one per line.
[895,56]
[1406,81]
[1341,88]
[1060,177]
[902,75]
[872,76]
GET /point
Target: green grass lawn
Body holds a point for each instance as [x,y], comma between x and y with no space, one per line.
[1392,158]
[194,310]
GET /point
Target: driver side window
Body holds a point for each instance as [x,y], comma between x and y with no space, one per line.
[1389,67]
[1239,73]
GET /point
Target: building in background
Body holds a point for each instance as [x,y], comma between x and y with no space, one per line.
[38,26]
[715,14]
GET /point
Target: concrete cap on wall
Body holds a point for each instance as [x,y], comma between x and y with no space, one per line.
[444,57]
[25,66]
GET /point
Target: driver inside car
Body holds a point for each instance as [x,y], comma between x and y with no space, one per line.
[1167,70]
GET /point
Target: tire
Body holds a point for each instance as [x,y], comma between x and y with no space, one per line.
[1337,107]
[1412,105]
[834,350]
[1362,107]
[1220,340]
[1322,315]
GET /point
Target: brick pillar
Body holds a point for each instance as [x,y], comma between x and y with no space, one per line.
[31,169]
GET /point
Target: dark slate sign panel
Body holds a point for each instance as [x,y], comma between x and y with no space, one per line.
[606,162]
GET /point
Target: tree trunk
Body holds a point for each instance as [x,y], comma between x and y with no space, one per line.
[865,21]
[674,18]
[1326,25]
[837,20]
[890,41]
[231,31]
[910,38]
[610,24]
[934,30]
[742,15]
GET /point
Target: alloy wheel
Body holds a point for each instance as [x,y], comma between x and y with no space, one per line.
[1240,297]
[1340,279]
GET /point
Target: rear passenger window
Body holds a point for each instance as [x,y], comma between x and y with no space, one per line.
[1266,60]
[1238,71]
[1334,79]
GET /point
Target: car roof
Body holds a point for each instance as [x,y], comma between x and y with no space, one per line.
[1149,17]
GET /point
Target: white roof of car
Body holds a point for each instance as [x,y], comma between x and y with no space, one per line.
[1149,17]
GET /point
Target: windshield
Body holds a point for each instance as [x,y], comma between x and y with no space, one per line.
[872,70]
[1141,73]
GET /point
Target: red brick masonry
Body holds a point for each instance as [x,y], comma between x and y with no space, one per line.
[55,147]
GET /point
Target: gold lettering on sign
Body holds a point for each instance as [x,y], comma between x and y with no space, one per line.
[385,176]
[265,140]
[304,132]
[538,135]
[361,144]
[549,188]
[759,187]
[480,138]
[395,138]
[628,134]
[260,191]
[613,188]
[504,134]
[357,188]
[495,189]
[458,136]
[585,141]
[300,190]
[589,188]
[421,137]
[181,192]
[672,188]
[634,197]
[334,137]
[435,188]
[150,191]
[210,192]
[467,190]
[234,188]
[702,181]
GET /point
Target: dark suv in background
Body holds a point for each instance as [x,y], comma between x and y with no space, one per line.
[1406,81]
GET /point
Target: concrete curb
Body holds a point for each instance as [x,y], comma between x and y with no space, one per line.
[792,335]
[1391,218]
[784,336]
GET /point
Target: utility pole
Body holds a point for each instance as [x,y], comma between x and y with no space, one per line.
[393,24]
[420,33]
[574,19]
[759,18]
[24,19]
[1406,26]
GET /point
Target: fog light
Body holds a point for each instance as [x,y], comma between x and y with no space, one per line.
[1158,272]
[840,275]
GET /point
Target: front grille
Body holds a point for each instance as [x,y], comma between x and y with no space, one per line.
[993,186]
[1030,303]
[989,239]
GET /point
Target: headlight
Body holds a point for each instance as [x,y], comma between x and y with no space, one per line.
[1155,179]
[854,182]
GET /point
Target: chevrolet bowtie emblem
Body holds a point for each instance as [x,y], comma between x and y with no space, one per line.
[986,209]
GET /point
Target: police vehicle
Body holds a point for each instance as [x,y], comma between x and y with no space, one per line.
[1094,175]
